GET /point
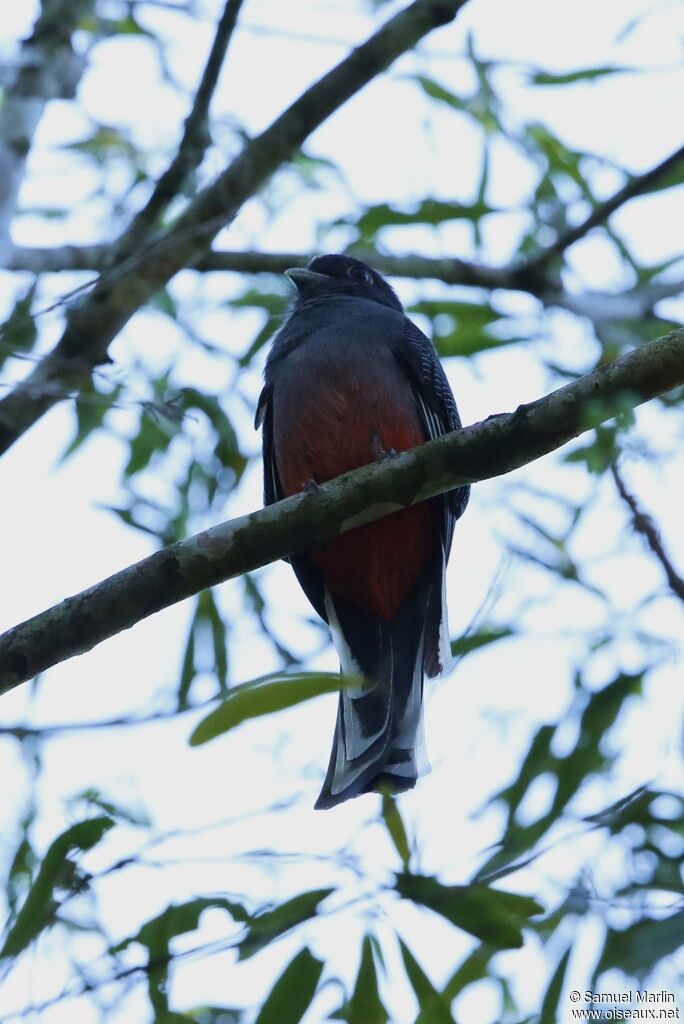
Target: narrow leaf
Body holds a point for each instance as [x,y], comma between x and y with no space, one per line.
[434,1007]
[293,992]
[271,924]
[395,827]
[262,697]
[55,871]
[492,915]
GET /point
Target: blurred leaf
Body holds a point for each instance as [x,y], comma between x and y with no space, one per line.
[163,301]
[293,992]
[440,93]
[434,1008]
[550,1003]
[91,407]
[312,170]
[364,1005]
[94,799]
[262,697]
[156,936]
[395,827]
[56,872]
[227,448]
[19,333]
[178,919]
[466,342]
[492,915]
[569,77]
[271,924]
[469,314]
[153,437]
[637,949]
[21,871]
[428,211]
[569,772]
[599,454]
[206,625]
[103,144]
[473,968]
[474,641]
[99,25]
[560,158]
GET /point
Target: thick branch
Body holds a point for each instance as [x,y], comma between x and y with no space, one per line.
[119,293]
[47,68]
[600,214]
[644,525]
[496,446]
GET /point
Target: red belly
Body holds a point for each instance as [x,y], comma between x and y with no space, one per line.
[374,566]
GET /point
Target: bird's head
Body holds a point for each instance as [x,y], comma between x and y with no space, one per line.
[342,275]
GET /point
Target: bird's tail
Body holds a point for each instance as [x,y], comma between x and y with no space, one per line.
[378,739]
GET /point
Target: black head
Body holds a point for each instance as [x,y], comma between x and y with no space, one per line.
[342,275]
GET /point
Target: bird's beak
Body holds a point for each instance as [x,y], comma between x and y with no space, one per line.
[301,277]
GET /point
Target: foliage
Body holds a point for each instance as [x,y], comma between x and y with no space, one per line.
[178,405]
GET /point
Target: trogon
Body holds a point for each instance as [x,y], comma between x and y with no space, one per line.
[350,379]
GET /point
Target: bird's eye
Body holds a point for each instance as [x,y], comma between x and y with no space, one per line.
[360,274]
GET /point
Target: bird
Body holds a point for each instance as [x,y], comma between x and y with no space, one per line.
[349,380]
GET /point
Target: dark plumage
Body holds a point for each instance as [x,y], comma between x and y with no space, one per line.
[349,379]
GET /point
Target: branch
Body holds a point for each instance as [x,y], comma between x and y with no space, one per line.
[195,140]
[634,187]
[119,293]
[596,305]
[643,524]
[47,69]
[498,445]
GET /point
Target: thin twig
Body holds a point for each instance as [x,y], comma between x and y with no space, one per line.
[643,524]
[195,139]
[634,187]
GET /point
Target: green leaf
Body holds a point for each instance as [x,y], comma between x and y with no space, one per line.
[428,211]
[492,915]
[365,1005]
[262,697]
[470,314]
[569,77]
[24,863]
[637,949]
[178,919]
[105,143]
[395,827]
[549,1008]
[475,641]
[94,799]
[467,342]
[271,924]
[440,93]
[91,407]
[473,968]
[293,992]
[153,437]
[434,1007]
[19,332]
[56,871]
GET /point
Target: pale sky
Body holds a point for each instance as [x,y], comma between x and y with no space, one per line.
[391,146]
